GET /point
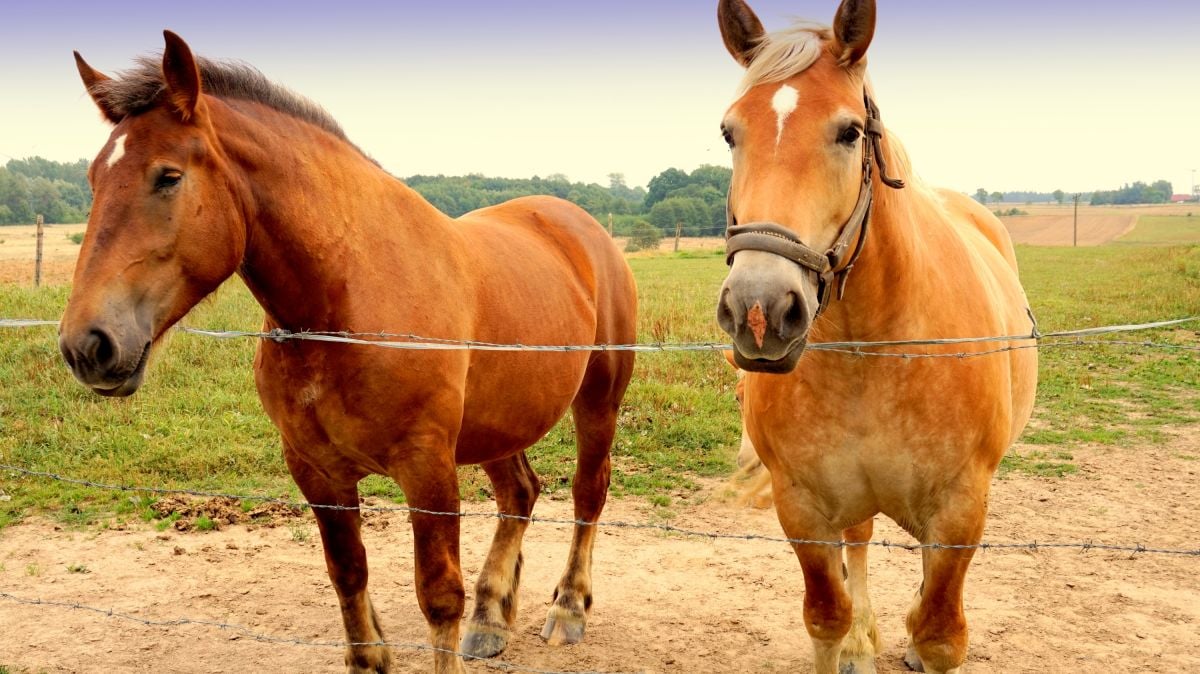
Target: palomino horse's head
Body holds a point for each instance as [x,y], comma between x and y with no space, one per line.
[165,228]
[803,136]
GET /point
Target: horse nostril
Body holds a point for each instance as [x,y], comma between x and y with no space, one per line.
[793,312]
[726,317]
[99,348]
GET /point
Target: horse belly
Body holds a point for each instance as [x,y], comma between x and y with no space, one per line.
[514,399]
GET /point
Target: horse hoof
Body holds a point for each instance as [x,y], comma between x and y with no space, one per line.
[859,666]
[563,627]
[482,641]
[913,660]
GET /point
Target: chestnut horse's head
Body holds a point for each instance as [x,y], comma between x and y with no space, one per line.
[165,228]
[800,140]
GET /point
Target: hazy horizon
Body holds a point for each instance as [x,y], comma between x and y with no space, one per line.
[1020,97]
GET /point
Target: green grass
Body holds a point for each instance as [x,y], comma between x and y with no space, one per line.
[197,422]
[1167,229]
[1111,395]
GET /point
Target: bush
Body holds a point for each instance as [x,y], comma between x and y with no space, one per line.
[644,236]
[76,238]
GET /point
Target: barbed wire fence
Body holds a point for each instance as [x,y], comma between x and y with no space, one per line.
[412,342]
[1083,338]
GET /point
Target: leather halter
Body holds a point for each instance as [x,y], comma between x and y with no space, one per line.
[832,267]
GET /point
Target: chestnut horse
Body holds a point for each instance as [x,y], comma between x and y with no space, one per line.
[211,170]
[845,438]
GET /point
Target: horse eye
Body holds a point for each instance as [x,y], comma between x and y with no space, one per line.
[168,179]
[850,135]
[728,137]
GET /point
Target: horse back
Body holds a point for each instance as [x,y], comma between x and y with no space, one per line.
[550,243]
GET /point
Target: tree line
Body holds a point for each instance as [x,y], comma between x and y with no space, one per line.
[59,191]
[695,201]
[37,186]
[1158,192]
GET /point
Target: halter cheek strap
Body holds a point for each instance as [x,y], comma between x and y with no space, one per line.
[831,267]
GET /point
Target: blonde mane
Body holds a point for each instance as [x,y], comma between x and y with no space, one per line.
[785,53]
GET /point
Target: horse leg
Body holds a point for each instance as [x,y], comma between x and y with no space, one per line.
[595,410]
[430,483]
[828,613]
[495,612]
[936,624]
[346,561]
[862,643]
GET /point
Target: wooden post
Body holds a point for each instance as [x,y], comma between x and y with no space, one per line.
[678,233]
[1075,229]
[37,265]
[610,227]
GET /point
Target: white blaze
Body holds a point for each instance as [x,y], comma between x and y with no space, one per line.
[784,103]
[118,151]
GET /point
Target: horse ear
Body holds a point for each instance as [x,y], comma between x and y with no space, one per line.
[92,78]
[854,28]
[182,76]
[740,28]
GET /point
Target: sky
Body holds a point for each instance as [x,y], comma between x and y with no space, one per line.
[1020,95]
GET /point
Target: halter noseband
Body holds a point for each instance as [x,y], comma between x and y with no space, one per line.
[832,267]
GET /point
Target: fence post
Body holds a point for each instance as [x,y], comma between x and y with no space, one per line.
[610,227]
[1075,229]
[37,263]
[678,233]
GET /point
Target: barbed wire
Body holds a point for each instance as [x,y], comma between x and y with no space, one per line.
[412,342]
[290,641]
[1034,546]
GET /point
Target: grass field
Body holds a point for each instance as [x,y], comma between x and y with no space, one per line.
[197,422]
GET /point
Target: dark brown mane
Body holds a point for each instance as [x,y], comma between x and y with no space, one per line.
[141,88]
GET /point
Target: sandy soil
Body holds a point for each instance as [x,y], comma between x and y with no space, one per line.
[663,603]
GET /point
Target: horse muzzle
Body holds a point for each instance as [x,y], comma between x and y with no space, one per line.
[111,362]
[767,306]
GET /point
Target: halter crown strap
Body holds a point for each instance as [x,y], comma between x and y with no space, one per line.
[831,267]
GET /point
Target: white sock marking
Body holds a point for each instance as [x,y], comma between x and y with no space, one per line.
[784,103]
[118,151]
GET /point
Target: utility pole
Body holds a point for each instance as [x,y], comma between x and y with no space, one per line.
[37,260]
[678,233]
[1075,229]
[1195,194]
[610,227]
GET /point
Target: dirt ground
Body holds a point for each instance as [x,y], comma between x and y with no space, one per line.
[664,603]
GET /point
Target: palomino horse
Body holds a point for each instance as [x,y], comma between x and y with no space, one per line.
[843,437]
[212,170]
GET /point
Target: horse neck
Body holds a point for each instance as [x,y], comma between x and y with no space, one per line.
[887,278]
[320,217]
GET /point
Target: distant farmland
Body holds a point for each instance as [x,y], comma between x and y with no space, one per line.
[1052,225]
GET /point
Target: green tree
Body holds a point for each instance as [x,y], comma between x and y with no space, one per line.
[981,195]
[663,184]
[716,177]
[1059,196]
[644,236]
[997,197]
[691,212]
